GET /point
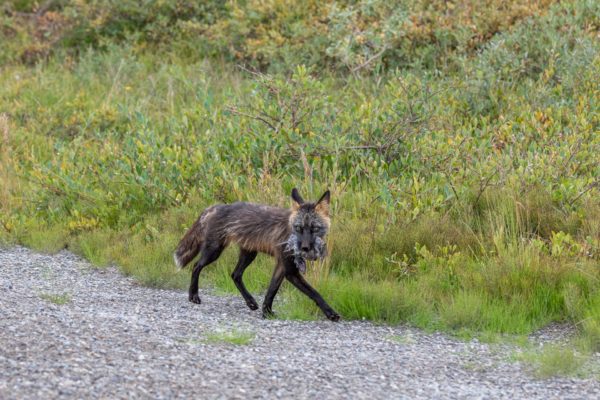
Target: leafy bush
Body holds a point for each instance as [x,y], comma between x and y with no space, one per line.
[279,34]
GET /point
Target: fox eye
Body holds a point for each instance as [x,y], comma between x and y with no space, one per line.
[316,228]
[298,228]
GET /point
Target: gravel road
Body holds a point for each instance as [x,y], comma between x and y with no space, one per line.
[113,338]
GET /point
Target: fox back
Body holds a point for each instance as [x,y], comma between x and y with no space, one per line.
[256,227]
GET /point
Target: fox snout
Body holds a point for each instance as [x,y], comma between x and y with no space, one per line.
[312,251]
[303,247]
[306,245]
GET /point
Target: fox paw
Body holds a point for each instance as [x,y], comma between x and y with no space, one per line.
[252,305]
[194,298]
[333,316]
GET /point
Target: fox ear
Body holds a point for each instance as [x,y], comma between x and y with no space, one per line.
[323,203]
[298,201]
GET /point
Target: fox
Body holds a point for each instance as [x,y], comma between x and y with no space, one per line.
[291,236]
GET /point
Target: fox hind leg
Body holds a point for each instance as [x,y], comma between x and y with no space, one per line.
[209,255]
[245,259]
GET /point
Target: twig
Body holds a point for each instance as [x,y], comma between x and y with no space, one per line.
[44,7]
[374,57]
[451,185]
[485,186]
[38,13]
[590,187]
[378,148]
[255,73]
[256,117]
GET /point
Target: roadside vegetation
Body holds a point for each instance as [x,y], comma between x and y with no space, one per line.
[460,140]
[237,337]
[58,299]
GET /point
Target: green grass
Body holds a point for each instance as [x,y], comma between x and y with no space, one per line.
[56,298]
[556,360]
[404,339]
[235,337]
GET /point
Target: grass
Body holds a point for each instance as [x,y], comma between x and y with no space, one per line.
[235,337]
[56,298]
[403,339]
[556,360]
[516,289]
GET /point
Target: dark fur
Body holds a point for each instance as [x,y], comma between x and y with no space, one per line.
[290,235]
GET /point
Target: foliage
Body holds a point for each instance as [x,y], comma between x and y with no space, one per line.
[277,34]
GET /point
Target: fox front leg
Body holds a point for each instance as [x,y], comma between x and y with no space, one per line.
[299,282]
[276,280]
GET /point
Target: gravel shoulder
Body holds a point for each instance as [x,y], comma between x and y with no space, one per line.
[113,338]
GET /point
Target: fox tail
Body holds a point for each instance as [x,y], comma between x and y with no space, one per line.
[190,245]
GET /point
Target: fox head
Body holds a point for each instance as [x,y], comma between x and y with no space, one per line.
[309,223]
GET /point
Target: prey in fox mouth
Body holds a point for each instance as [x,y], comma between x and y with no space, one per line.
[306,245]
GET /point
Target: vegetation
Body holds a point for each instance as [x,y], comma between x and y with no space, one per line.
[58,299]
[460,142]
[556,360]
[236,337]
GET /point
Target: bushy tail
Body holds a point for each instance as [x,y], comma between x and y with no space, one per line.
[190,245]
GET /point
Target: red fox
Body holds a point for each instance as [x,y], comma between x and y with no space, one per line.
[292,236]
